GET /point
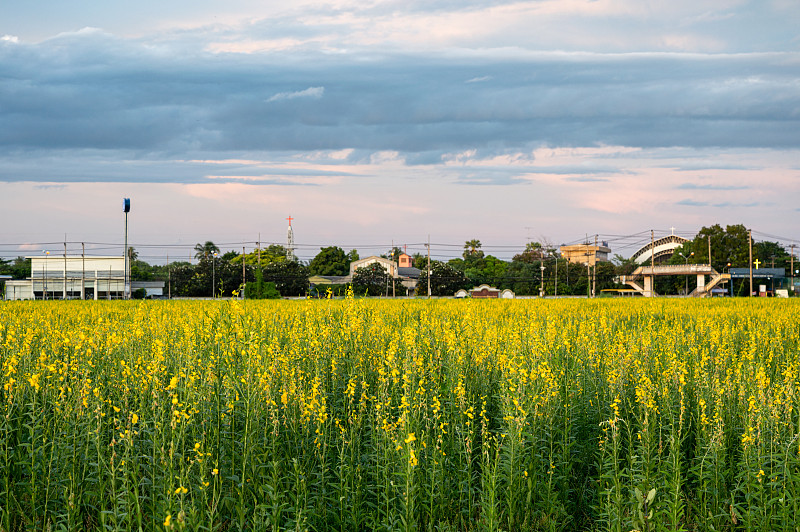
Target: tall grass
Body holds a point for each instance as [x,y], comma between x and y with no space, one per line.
[413,415]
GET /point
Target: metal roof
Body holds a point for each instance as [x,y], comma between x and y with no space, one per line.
[760,273]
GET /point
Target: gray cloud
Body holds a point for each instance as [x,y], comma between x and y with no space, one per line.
[586,179]
[692,203]
[709,186]
[92,91]
[721,205]
[313,93]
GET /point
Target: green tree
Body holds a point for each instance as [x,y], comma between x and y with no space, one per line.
[472,250]
[523,277]
[19,268]
[534,252]
[445,280]
[394,253]
[482,269]
[373,280]
[185,281]
[258,289]
[769,253]
[605,273]
[141,271]
[272,253]
[624,266]
[727,245]
[290,277]
[204,251]
[331,260]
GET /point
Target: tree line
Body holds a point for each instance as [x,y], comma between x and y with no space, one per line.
[268,273]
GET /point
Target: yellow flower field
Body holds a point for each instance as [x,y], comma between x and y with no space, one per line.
[361,414]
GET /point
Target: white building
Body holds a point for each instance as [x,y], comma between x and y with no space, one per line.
[75,277]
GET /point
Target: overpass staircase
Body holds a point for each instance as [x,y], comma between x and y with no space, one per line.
[643,278]
[705,291]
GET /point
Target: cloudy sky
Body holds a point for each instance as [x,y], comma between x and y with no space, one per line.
[378,121]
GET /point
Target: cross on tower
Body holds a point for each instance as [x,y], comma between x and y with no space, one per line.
[757,262]
[290,219]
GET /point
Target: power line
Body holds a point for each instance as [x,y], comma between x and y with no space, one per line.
[440,250]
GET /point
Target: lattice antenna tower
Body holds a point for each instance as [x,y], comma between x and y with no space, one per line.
[290,241]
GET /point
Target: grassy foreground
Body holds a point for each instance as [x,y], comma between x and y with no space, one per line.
[400,415]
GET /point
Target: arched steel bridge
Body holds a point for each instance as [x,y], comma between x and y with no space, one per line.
[659,250]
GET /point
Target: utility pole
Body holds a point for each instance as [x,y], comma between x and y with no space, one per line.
[213,275]
[44,291]
[709,250]
[791,271]
[65,266]
[652,263]
[588,273]
[556,269]
[594,271]
[169,278]
[429,265]
[126,207]
[244,278]
[83,270]
[750,242]
[394,268]
[259,251]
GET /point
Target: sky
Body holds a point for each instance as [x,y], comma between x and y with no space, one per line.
[380,122]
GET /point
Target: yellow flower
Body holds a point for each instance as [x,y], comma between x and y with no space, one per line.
[285,397]
[412,458]
[215,471]
[411,438]
[181,490]
[168,521]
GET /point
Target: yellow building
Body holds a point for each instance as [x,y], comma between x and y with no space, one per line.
[586,253]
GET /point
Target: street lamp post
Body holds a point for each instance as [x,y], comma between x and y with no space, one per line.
[541,288]
[392,267]
[555,257]
[730,287]
[44,285]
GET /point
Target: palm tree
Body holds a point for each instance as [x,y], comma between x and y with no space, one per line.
[205,250]
[472,249]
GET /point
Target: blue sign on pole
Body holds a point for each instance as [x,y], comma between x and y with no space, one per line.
[126,205]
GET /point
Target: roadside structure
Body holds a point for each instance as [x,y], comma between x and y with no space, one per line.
[77,277]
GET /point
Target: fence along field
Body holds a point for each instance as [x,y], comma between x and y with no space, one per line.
[414,415]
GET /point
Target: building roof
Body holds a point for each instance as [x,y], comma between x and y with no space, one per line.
[409,271]
[329,279]
[758,273]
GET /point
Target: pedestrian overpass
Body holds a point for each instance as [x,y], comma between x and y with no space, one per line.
[643,278]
